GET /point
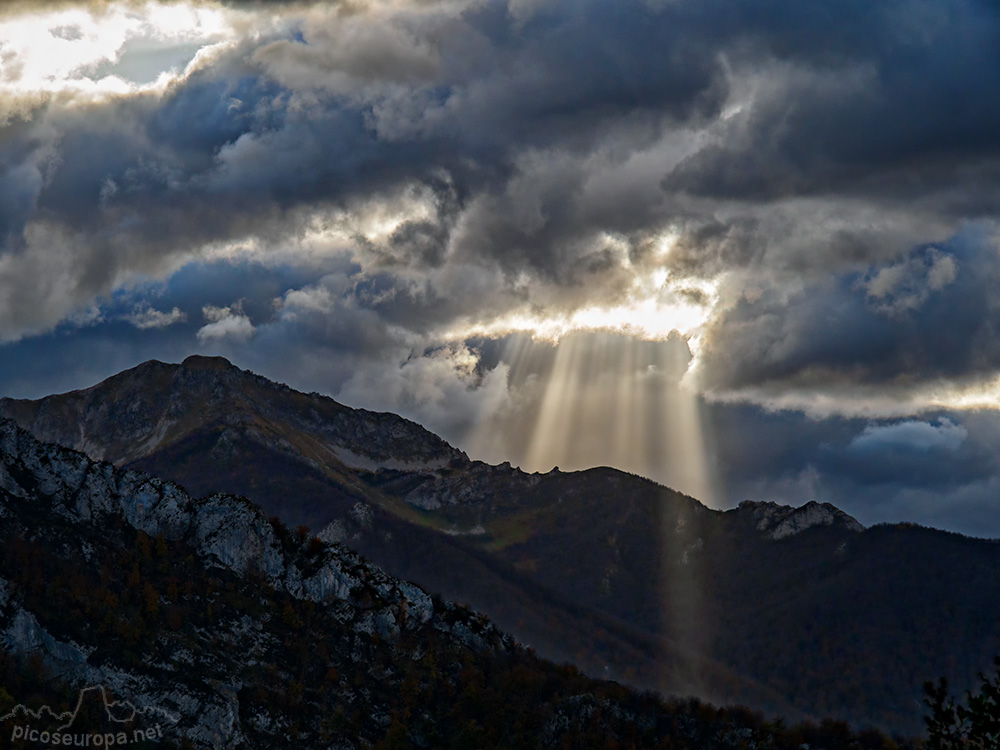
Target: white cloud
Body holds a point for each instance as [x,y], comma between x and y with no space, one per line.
[148,317]
[226,322]
[315,299]
[67,50]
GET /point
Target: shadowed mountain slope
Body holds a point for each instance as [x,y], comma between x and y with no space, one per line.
[309,460]
[800,611]
[128,606]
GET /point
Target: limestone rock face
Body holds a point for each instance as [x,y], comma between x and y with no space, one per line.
[780,521]
[77,506]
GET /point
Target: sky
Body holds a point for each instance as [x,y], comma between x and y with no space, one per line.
[748,248]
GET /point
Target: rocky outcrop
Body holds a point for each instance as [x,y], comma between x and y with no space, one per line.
[74,502]
[779,521]
[229,531]
[573,563]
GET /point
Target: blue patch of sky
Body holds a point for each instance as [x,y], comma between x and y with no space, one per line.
[83,350]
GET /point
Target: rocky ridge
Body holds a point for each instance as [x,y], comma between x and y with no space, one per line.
[225,530]
[61,497]
[780,521]
[154,403]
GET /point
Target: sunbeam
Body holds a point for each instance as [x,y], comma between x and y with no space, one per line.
[688,450]
[552,438]
[601,398]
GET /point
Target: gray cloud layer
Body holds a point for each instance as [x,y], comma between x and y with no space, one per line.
[930,315]
[750,125]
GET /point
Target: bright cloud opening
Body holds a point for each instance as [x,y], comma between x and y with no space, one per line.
[120,49]
[654,307]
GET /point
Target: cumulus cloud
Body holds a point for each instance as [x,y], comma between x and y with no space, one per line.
[225,323]
[224,152]
[900,287]
[441,390]
[542,128]
[148,317]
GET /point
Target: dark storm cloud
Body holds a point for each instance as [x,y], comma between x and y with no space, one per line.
[237,141]
[930,315]
[855,131]
[19,188]
[939,470]
[880,95]
[714,246]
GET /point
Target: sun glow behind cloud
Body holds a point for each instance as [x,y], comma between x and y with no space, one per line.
[108,49]
[649,313]
[318,234]
[412,177]
[654,306]
[612,386]
[63,52]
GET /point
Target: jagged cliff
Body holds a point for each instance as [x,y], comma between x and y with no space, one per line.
[85,513]
[780,521]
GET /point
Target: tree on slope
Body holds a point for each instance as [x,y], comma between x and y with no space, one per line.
[973,725]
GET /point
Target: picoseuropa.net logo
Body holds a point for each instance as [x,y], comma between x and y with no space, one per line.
[97,721]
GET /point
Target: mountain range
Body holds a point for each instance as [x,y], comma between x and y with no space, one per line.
[799,612]
[134,614]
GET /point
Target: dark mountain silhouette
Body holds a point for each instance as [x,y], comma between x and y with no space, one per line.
[798,611]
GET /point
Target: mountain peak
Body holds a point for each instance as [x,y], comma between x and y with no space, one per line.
[209,363]
[780,521]
[210,410]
